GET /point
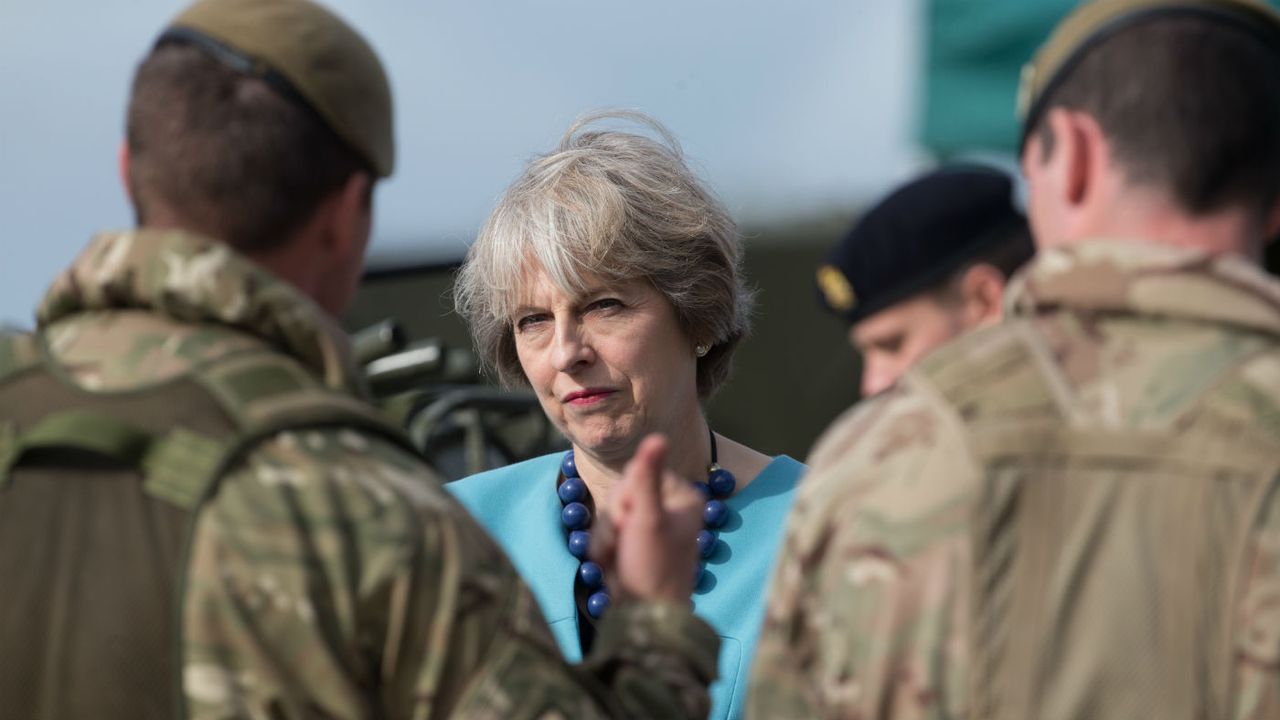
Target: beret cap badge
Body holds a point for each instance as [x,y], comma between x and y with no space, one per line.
[836,288]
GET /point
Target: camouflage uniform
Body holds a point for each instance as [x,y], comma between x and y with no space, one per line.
[1070,515]
[331,575]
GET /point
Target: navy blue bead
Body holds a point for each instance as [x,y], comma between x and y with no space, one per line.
[706,543]
[575,516]
[722,482]
[579,541]
[597,604]
[572,490]
[569,466]
[715,513]
[591,574]
[699,571]
[703,488]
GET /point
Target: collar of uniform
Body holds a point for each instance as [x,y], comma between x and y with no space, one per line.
[1148,279]
[194,279]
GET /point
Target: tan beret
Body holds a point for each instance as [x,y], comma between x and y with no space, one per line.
[307,53]
[1094,21]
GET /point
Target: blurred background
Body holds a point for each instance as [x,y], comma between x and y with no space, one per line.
[798,114]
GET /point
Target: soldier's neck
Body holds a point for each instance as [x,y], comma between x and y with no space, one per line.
[1148,217]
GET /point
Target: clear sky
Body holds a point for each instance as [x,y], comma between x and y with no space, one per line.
[787,108]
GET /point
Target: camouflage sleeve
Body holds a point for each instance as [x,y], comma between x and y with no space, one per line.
[867,615]
[1257,651]
[649,661]
[332,577]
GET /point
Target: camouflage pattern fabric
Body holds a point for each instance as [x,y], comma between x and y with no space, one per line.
[1073,514]
[331,576]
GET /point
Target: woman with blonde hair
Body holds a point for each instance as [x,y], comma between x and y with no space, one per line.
[608,281]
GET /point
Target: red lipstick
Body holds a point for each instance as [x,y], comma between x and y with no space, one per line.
[587,396]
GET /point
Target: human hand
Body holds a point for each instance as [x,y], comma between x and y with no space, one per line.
[646,540]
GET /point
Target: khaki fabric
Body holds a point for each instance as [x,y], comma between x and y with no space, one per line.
[1071,515]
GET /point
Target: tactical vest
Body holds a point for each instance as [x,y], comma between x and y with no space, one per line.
[99,493]
[1108,562]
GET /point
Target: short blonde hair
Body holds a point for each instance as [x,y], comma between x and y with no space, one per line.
[616,206]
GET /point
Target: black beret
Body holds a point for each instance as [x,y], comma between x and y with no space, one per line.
[918,236]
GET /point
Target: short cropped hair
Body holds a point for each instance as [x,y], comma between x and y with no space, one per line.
[1006,254]
[224,151]
[1189,106]
[618,206]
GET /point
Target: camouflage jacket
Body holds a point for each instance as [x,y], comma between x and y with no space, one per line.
[331,576]
[1069,515]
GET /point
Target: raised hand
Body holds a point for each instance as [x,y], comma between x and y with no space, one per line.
[646,539]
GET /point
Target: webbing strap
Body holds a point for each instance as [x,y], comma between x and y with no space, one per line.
[78,430]
[262,392]
[267,393]
[88,431]
[181,467]
[242,384]
[178,465]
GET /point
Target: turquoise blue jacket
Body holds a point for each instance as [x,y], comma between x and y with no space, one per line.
[519,507]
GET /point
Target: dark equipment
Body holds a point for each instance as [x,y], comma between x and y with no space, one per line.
[436,393]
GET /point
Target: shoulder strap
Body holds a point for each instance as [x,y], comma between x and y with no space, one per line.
[82,431]
[262,392]
[267,393]
[265,390]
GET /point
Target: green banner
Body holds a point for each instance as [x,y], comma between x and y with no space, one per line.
[975,50]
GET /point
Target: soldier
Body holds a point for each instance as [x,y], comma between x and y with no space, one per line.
[927,264]
[1074,514]
[200,518]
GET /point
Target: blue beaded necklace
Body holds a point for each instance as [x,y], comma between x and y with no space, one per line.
[577,519]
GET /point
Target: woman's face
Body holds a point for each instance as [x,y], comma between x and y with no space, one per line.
[608,367]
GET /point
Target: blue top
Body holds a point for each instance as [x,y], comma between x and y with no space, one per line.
[517,504]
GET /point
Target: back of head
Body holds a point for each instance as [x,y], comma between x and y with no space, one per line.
[1187,93]
[247,113]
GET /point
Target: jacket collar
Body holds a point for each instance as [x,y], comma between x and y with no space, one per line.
[1147,279]
[198,280]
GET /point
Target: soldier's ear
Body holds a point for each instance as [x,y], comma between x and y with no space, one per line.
[1073,154]
[982,290]
[1078,177]
[352,213]
[122,159]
